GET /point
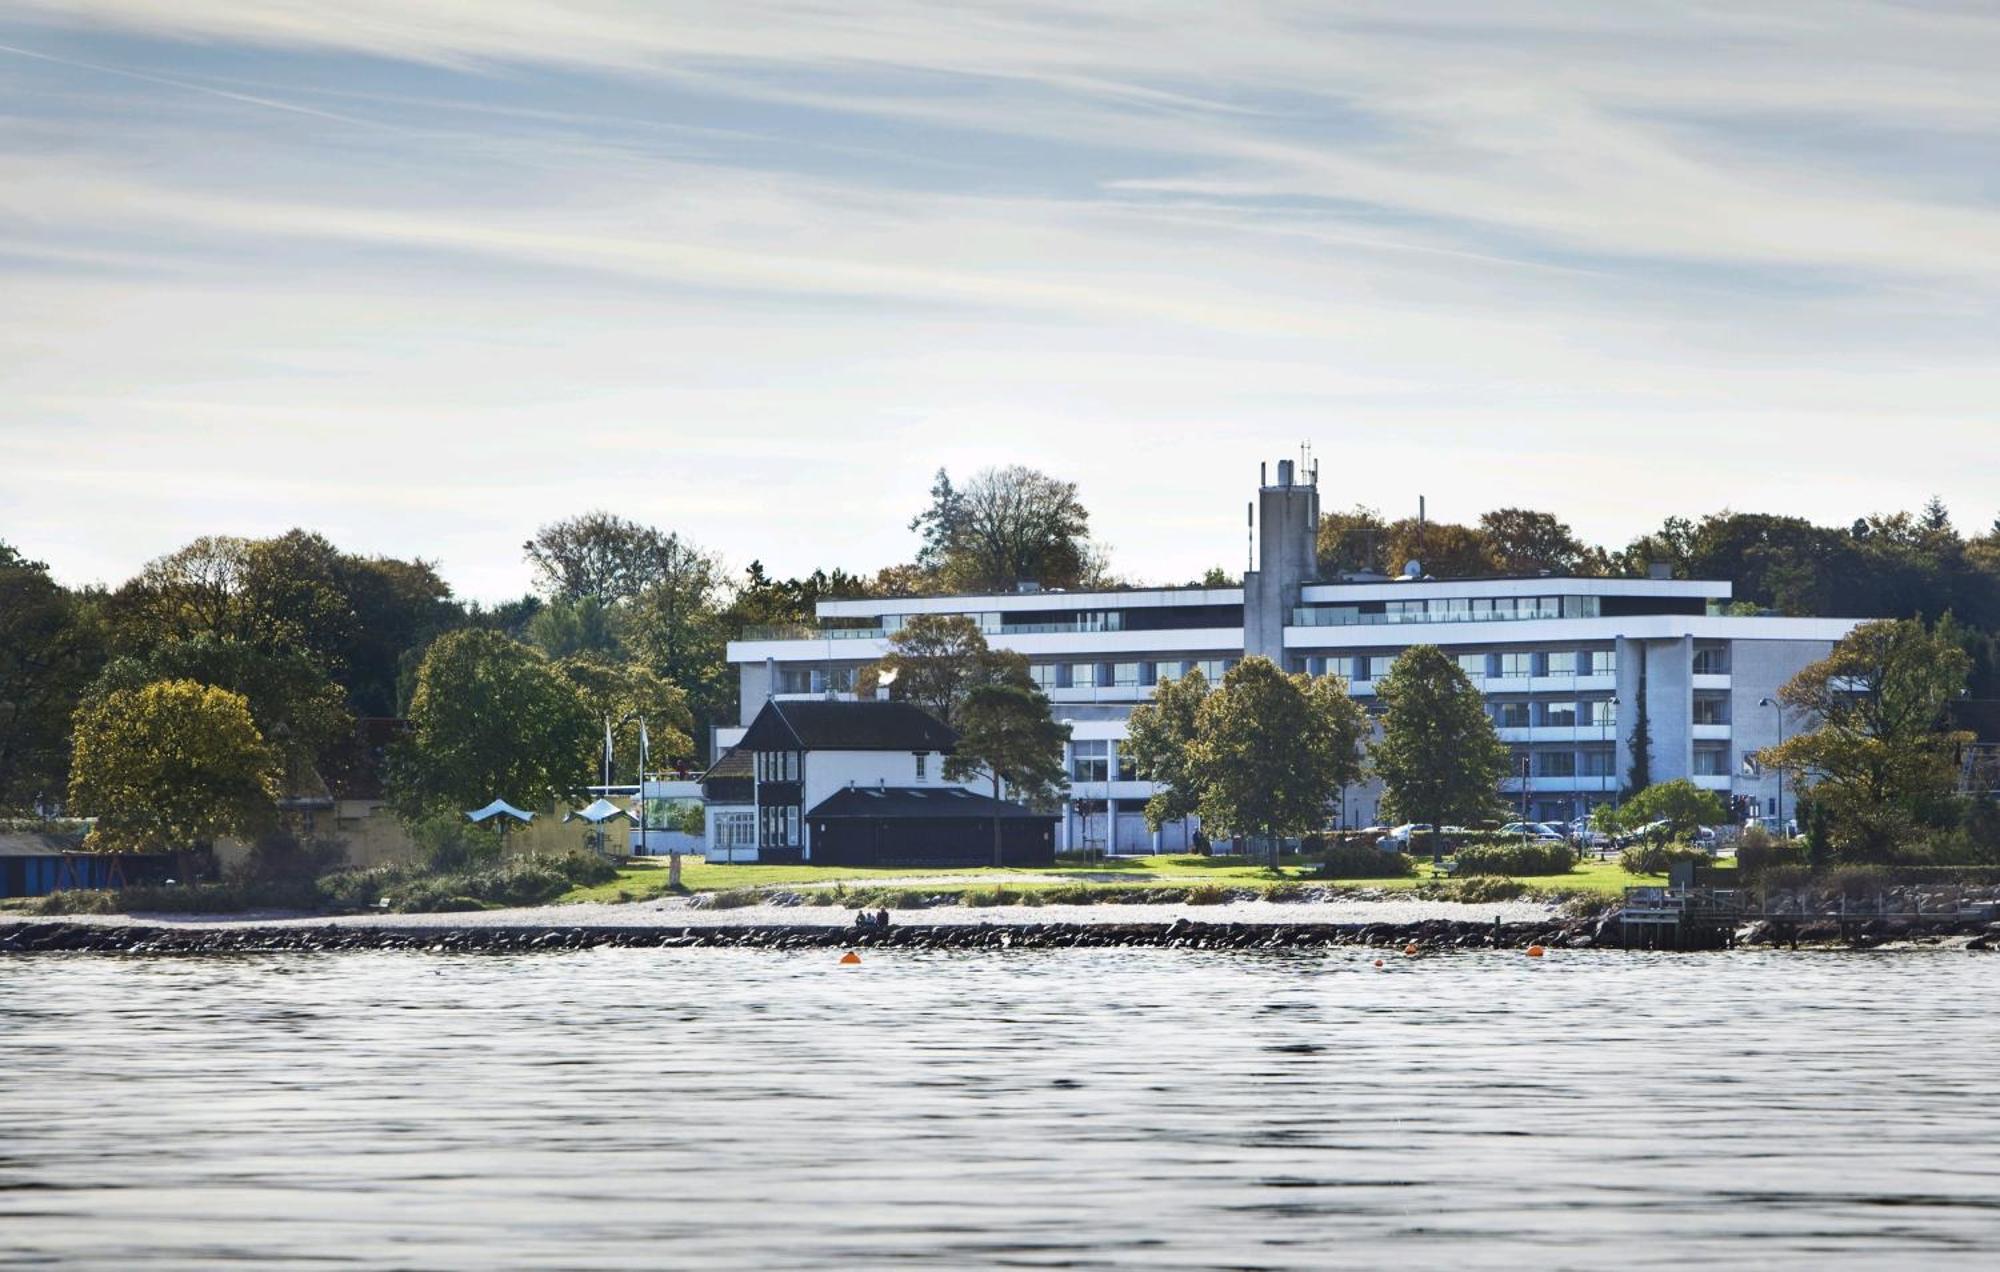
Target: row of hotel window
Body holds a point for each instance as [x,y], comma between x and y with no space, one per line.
[1709,761]
[1510,666]
[1092,762]
[1520,665]
[1450,609]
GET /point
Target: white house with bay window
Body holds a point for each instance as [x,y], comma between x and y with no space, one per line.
[1563,664]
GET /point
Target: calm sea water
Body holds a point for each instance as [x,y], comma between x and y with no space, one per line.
[1086,1108]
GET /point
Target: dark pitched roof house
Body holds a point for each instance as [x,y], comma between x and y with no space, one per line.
[819,725]
[903,803]
[927,826]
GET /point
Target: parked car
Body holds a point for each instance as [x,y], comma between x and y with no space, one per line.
[1534,830]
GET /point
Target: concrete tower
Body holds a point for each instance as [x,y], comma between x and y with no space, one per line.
[1287,557]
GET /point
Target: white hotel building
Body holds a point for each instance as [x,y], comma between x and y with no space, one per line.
[1563,663]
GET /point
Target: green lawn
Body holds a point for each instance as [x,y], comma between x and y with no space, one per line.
[643,879]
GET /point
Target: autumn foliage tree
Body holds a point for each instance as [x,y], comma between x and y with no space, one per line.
[1878,755]
[171,766]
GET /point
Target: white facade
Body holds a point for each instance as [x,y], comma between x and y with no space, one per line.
[1563,663]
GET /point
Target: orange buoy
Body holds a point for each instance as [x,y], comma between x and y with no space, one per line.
[1378,962]
[1536,951]
[1410,950]
[849,958]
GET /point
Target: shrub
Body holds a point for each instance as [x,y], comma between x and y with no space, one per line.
[1853,881]
[1482,888]
[279,856]
[1516,857]
[1284,892]
[1359,859]
[1758,851]
[1069,894]
[1206,894]
[1658,858]
[736,899]
[450,844]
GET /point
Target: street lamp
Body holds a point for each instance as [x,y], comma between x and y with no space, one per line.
[1779,707]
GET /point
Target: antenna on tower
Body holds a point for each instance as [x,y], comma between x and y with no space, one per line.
[1250,535]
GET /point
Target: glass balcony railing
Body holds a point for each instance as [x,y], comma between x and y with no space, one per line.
[799,631]
[1329,616]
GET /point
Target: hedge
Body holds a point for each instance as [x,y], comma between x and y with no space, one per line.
[1516,857]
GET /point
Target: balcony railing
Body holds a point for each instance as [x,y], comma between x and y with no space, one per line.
[1321,616]
[800,631]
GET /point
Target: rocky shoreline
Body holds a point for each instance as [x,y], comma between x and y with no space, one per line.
[44,937]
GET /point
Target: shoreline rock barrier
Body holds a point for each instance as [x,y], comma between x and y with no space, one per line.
[56,936]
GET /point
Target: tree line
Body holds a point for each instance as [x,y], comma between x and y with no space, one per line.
[629,622]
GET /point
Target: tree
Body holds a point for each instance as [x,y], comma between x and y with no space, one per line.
[1438,755]
[625,693]
[566,628]
[1445,549]
[936,660]
[491,718]
[171,766]
[1879,757]
[1005,526]
[1640,746]
[298,711]
[1684,806]
[1353,542]
[1527,542]
[49,649]
[1005,731]
[674,625]
[602,555]
[1160,738]
[1273,751]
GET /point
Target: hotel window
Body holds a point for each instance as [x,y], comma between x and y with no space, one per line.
[1516,666]
[1128,770]
[1602,662]
[1711,660]
[1404,611]
[1088,761]
[1711,708]
[1559,715]
[777,766]
[923,764]
[1125,675]
[1473,665]
[1379,665]
[1581,607]
[1597,762]
[1555,764]
[1561,664]
[1045,675]
[1603,713]
[1510,715]
[1711,761]
[1214,669]
[795,680]
[1083,675]
[1165,671]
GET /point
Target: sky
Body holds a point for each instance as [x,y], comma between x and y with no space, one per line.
[424,277]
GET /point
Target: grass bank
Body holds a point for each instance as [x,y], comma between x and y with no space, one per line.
[646,878]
